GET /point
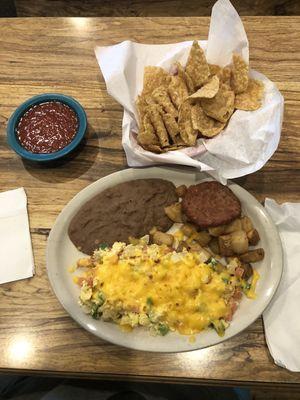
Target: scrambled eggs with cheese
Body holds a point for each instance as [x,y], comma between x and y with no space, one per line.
[158,288]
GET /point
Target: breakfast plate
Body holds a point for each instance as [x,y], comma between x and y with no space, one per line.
[61,254]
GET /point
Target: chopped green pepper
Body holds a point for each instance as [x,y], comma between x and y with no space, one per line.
[149,301]
[101,299]
[219,326]
[212,261]
[94,311]
[163,329]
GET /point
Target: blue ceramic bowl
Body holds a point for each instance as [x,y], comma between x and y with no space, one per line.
[13,140]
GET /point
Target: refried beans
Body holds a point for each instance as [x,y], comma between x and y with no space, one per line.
[128,209]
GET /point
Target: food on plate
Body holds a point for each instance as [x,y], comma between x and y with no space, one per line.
[181,190]
[177,107]
[47,127]
[212,219]
[127,209]
[210,204]
[253,255]
[174,212]
[161,289]
[159,237]
[253,237]
[185,279]
[233,243]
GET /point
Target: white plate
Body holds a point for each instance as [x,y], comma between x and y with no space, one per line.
[61,254]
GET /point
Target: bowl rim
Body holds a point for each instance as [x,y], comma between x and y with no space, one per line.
[15,117]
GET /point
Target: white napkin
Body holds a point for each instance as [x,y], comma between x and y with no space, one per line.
[282,318]
[249,139]
[15,250]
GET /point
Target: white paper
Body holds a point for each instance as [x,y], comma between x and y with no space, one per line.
[281,319]
[15,250]
[250,138]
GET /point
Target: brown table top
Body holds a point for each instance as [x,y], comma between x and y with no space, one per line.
[39,55]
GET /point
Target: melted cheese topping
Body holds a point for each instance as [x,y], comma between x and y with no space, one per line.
[251,292]
[174,288]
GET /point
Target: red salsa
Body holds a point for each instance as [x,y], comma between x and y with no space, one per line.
[47,127]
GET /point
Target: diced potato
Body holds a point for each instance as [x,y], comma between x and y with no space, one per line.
[159,237]
[188,229]
[214,245]
[235,225]
[217,230]
[181,190]
[194,246]
[253,237]
[232,264]
[174,212]
[133,240]
[246,224]
[252,256]
[203,238]
[153,230]
[225,245]
[248,271]
[219,267]
[239,242]
[204,255]
[181,246]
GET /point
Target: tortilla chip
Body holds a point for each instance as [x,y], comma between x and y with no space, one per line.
[225,75]
[171,125]
[187,133]
[161,96]
[197,67]
[214,69]
[149,99]
[209,90]
[146,133]
[174,147]
[221,106]
[207,126]
[240,74]
[186,77]
[177,90]
[141,106]
[250,100]
[158,124]
[153,148]
[153,78]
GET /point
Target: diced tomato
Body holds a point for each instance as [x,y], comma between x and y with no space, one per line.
[237,295]
[239,272]
[233,307]
[89,282]
[80,281]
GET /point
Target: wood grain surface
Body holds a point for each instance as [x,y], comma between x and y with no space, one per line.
[56,55]
[146,8]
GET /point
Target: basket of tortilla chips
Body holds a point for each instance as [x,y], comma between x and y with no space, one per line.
[175,108]
[195,103]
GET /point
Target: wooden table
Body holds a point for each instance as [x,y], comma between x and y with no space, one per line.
[56,55]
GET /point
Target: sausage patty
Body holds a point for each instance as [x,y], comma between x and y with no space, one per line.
[210,204]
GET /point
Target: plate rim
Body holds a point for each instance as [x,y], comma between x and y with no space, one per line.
[126,171]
